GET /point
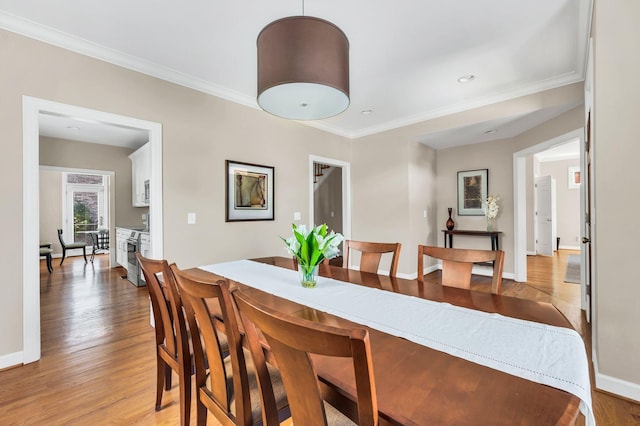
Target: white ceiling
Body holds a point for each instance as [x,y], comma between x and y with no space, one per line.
[565,151]
[63,127]
[405,57]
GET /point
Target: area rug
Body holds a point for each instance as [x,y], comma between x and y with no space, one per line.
[573,269]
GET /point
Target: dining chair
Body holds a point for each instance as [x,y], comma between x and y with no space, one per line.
[71,246]
[457,265]
[371,253]
[172,338]
[46,253]
[226,385]
[292,341]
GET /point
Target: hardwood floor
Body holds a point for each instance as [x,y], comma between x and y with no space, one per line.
[98,355]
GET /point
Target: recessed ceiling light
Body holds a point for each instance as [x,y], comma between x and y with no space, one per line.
[73,128]
[490,132]
[366,111]
[466,78]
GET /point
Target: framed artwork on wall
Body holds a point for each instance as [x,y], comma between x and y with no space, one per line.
[574,177]
[249,192]
[473,187]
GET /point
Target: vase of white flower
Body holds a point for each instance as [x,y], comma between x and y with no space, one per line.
[491,209]
[310,248]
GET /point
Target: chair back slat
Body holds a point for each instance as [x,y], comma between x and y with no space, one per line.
[371,254]
[457,265]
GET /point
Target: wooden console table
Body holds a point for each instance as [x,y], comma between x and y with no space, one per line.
[494,235]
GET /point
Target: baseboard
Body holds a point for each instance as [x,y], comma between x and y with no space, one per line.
[617,386]
[11,360]
[569,247]
[531,253]
[413,276]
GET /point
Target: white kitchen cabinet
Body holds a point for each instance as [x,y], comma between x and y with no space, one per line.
[141,175]
[121,246]
[145,244]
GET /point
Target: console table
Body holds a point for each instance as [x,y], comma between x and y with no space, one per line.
[495,241]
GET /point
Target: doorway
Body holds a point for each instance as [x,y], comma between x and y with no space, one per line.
[32,109]
[85,208]
[337,213]
[520,200]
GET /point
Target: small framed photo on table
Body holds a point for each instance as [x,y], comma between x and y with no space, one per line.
[249,192]
[472,191]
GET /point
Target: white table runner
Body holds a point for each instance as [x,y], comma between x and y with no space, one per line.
[554,356]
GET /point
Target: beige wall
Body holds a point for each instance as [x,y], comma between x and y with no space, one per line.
[199,133]
[616,111]
[567,202]
[393,183]
[50,207]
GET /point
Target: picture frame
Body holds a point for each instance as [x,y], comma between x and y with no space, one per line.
[249,191]
[473,186]
[573,177]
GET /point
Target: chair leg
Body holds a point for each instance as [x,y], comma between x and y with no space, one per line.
[84,253]
[64,254]
[201,414]
[160,368]
[185,399]
[167,377]
[49,266]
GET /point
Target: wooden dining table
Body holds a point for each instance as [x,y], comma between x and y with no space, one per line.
[417,385]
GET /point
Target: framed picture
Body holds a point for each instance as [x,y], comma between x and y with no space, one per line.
[573,177]
[249,192]
[472,191]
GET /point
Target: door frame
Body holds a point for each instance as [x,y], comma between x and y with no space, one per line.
[31,109]
[346,191]
[520,198]
[68,208]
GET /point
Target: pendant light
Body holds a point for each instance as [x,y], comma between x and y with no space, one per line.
[303,68]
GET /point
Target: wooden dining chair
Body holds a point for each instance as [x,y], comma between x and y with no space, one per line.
[457,265]
[172,338]
[291,341]
[71,246]
[371,253]
[226,385]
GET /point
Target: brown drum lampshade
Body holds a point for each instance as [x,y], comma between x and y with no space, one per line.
[303,68]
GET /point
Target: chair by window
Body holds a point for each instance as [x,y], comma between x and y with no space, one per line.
[226,386]
[371,254]
[457,265]
[172,339]
[71,246]
[291,341]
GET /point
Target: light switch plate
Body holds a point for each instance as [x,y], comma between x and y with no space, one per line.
[191,218]
[296,216]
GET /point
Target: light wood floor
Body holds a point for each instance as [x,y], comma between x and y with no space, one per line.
[98,356]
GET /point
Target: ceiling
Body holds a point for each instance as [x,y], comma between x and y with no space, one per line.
[405,57]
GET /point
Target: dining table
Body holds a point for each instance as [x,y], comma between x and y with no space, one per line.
[417,384]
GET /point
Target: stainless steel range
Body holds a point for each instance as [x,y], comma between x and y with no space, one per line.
[134,274]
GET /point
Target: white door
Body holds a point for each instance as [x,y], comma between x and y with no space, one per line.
[544,222]
[85,211]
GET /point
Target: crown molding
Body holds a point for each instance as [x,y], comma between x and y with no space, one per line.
[79,45]
[85,47]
